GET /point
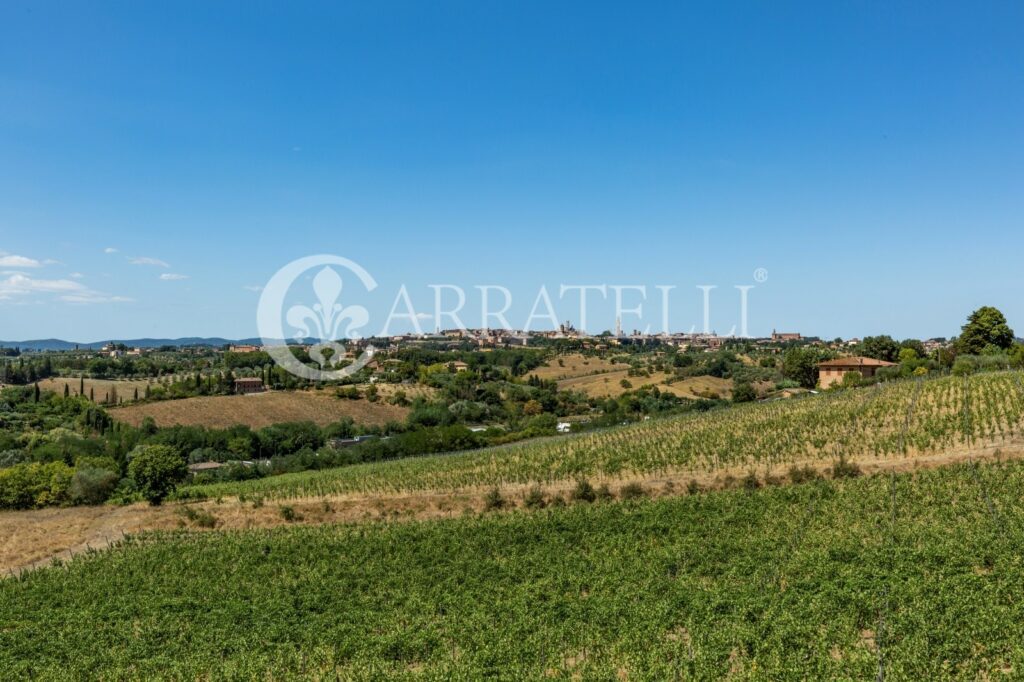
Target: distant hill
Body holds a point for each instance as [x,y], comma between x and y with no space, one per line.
[60,344]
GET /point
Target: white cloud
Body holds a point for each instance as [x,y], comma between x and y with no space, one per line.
[12,261]
[171,277]
[76,275]
[19,285]
[94,297]
[146,260]
[252,287]
[110,249]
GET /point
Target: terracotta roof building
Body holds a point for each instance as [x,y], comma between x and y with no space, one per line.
[832,372]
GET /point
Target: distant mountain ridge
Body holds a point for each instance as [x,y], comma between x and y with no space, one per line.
[60,344]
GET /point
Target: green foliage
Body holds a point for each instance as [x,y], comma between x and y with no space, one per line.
[632,491]
[583,492]
[777,583]
[28,485]
[493,500]
[156,470]
[985,327]
[743,393]
[801,365]
[880,348]
[91,485]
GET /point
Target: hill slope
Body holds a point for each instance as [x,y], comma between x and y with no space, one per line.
[916,575]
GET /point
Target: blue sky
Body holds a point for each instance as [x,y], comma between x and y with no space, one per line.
[869,157]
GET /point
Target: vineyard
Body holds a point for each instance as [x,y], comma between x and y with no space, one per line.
[901,576]
[891,421]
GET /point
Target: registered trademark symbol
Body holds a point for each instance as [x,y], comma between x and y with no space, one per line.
[760,275]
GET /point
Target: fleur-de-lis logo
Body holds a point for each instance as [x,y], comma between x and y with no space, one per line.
[328,321]
[327,316]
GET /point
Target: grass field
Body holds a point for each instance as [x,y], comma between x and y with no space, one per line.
[259,410]
[892,421]
[912,576]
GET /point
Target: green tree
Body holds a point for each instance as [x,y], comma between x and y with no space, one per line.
[801,365]
[743,393]
[880,348]
[985,327]
[156,470]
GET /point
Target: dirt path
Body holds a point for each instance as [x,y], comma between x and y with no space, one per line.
[31,539]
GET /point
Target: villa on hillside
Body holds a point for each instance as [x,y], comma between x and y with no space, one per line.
[247,385]
[831,372]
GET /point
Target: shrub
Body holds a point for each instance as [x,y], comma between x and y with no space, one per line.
[751,482]
[156,470]
[493,500]
[802,474]
[604,493]
[693,487]
[24,486]
[91,485]
[288,513]
[632,491]
[535,498]
[744,393]
[584,492]
[845,469]
[199,517]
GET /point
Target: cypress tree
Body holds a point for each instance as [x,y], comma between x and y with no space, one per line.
[37,393]
[92,394]
[81,386]
[67,390]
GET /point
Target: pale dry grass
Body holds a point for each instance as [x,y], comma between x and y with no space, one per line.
[101,388]
[260,409]
[609,385]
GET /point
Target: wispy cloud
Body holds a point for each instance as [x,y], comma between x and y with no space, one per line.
[171,277]
[76,275]
[253,287]
[18,286]
[9,260]
[110,249]
[146,260]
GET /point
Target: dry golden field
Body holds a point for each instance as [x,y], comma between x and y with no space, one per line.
[101,388]
[573,366]
[259,410]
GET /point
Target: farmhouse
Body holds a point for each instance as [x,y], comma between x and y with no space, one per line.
[460,366]
[832,371]
[248,385]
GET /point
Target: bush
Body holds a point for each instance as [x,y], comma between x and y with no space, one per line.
[535,498]
[493,501]
[156,470]
[24,486]
[200,517]
[845,469]
[288,513]
[802,474]
[693,487]
[584,492]
[604,493]
[632,491]
[744,393]
[751,482]
[92,485]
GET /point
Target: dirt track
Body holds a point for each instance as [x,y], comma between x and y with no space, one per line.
[34,538]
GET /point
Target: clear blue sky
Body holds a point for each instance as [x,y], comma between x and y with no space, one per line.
[869,156]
